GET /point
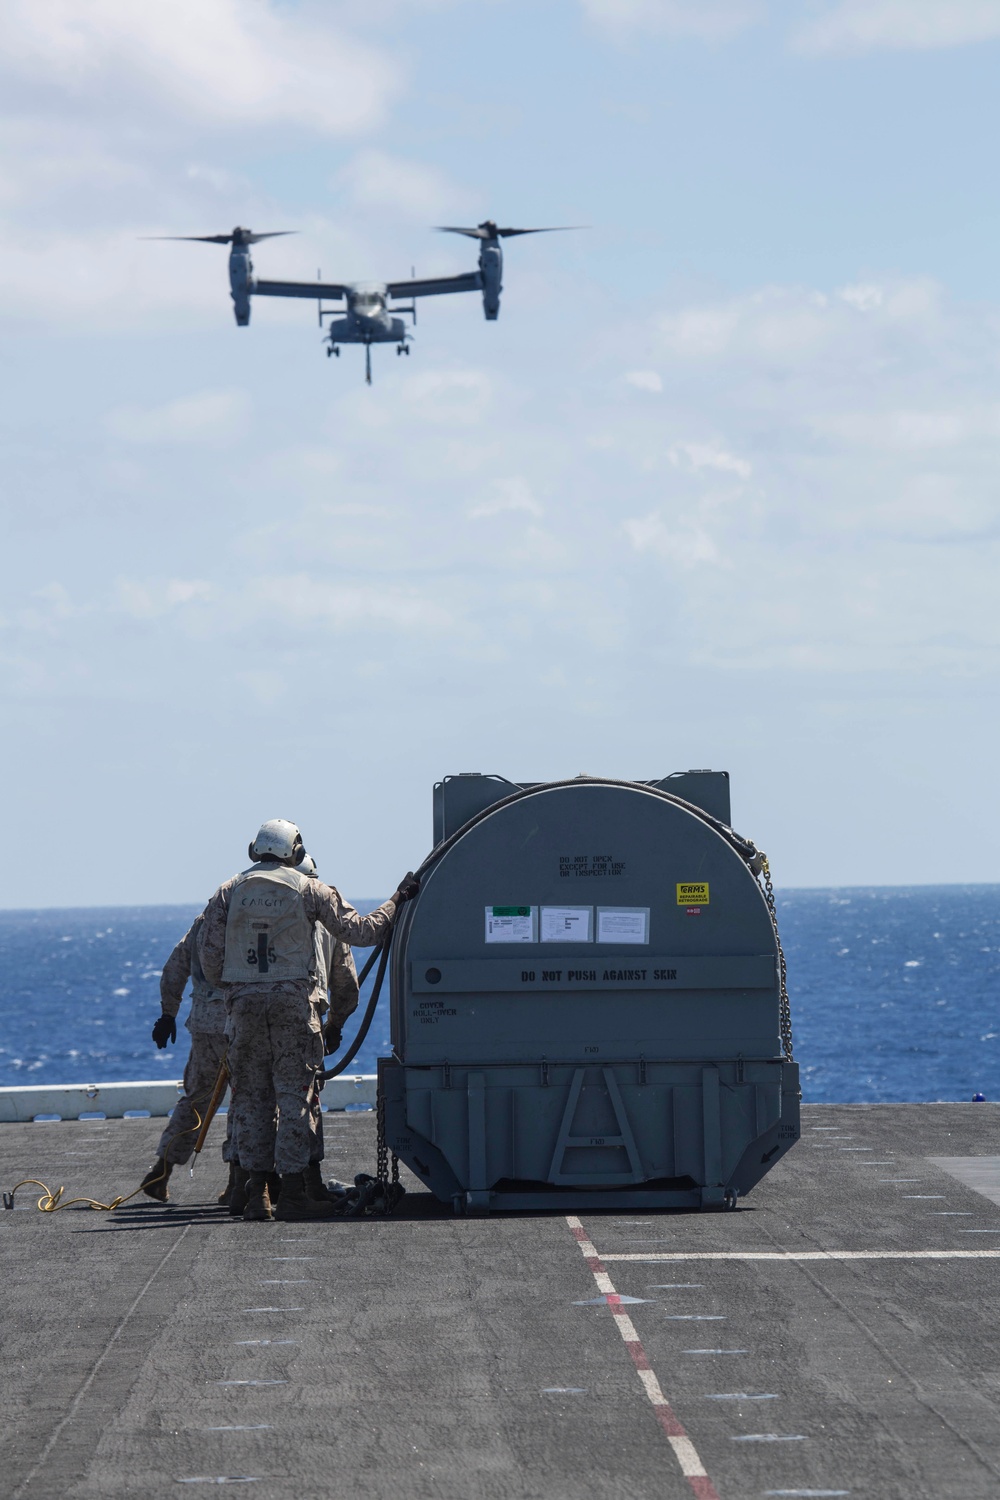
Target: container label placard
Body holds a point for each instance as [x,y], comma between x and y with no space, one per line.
[623,924]
[567,924]
[511,924]
[692,893]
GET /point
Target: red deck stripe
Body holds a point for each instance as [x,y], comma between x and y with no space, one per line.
[701,1486]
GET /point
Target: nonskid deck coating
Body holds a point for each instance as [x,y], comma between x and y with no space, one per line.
[161,1350]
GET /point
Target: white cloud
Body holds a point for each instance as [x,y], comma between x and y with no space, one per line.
[914,429]
[383,605]
[864,296]
[213,417]
[509,495]
[794,326]
[675,541]
[150,599]
[698,456]
[645,380]
[230,63]
[777,322]
[449,397]
[709,20]
[852,26]
[407,189]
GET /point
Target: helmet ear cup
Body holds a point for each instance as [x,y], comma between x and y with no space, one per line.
[298,851]
[252,852]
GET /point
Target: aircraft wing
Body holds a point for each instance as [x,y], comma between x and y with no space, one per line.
[436,286]
[317,289]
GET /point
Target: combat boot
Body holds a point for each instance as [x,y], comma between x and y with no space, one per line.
[154,1184]
[295,1202]
[258,1198]
[238,1199]
[225,1197]
[317,1189]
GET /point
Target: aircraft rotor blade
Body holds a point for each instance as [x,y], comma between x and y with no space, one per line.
[205,239]
[246,237]
[490,231]
[473,234]
[551,229]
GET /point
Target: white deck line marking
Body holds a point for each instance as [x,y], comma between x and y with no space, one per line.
[249,1382]
[794,1255]
[71,1411]
[684,1450]
[768,1437]
[743,1396]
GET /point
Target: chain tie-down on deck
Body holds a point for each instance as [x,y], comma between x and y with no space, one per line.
[786,1010]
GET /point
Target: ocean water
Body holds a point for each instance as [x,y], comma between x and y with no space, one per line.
[895,993]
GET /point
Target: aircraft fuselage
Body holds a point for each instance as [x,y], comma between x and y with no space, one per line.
[367,320]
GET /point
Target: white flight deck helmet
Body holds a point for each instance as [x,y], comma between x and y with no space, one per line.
[307,866]
[278,839]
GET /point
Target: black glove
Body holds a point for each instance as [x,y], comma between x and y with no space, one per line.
[164,1030]
[408,886]
[332,1038]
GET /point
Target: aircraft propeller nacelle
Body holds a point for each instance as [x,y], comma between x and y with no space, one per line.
[491,270]
[489,234]
[240,264]
[241,282]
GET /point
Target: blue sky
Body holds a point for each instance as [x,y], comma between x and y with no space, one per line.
[718,489]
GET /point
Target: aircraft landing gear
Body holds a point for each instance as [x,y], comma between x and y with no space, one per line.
[332,349]
[403,349]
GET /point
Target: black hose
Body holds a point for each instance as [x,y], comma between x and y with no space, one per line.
[743,847]
[381,953]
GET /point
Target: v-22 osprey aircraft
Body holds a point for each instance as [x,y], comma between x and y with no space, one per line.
[369,319]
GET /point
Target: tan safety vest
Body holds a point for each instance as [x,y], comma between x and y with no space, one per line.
[268,935]
[208,1009]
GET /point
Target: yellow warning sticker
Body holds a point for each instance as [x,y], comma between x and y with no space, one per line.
[692,893]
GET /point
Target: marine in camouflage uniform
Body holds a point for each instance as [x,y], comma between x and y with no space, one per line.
[207,1024]
[335,996]
[260,924]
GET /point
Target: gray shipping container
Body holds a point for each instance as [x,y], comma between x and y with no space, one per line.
[586,1001]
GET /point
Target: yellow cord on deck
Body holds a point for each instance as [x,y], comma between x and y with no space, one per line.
[52,1203]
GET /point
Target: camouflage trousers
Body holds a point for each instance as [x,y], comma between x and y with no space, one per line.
[317,1150]
[275,1056]
[177,1141]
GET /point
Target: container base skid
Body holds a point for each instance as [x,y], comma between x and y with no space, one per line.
[570,1135]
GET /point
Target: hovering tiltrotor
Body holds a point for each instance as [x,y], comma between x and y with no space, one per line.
[369,318]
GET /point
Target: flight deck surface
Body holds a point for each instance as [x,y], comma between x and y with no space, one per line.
[839,1334]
